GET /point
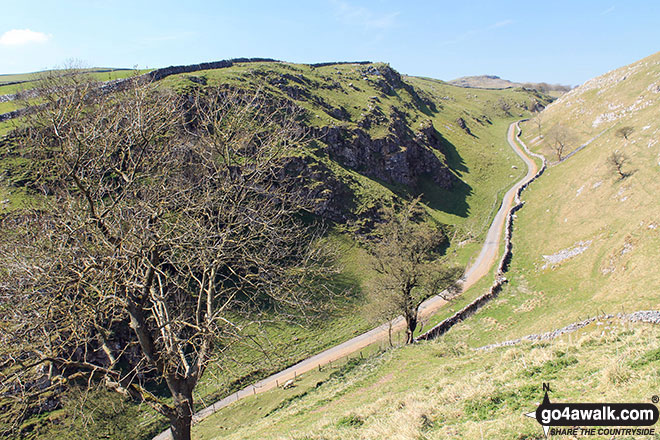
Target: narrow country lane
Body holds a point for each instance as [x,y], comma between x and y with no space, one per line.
[480,267]
[490,249]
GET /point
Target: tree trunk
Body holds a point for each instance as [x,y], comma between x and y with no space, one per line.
[180,427]
[411,325]
[389,333]
[181,420]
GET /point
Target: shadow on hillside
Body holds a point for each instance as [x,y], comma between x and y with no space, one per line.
[454,159]
[453,201]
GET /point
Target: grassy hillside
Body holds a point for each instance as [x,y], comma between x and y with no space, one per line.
[587,240]
[10,84]
[350,99]
[348,95]
[373,98]
[442,389]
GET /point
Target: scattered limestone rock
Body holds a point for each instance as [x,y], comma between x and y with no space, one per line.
[565,254]
[461,123]
[648,316]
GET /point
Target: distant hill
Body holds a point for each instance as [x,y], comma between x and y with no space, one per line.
[495,82]
[484,82]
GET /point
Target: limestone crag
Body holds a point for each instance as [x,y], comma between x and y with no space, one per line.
[401,157]
[329,196]
[389,81]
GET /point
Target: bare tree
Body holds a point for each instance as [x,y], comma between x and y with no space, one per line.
[171,226]
[560,136]
[382,306]
[624,132]
[616,161]
[407,258]
[538,121]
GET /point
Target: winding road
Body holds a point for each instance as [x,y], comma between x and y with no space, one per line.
[480,267]
[490,248]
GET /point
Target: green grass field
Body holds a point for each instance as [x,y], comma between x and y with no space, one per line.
[30,80]
[442,389]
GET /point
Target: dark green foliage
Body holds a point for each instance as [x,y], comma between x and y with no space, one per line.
[550,368]
[350,421]
[646,358]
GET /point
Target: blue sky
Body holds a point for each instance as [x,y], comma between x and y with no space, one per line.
[554,41]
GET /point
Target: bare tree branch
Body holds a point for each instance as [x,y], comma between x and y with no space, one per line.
[172,217]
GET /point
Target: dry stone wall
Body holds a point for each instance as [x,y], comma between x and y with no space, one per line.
[503,266]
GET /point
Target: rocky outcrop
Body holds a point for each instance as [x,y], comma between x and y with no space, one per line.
[388,81]
[386,78]
[329,197]
[401,157]
[463,126]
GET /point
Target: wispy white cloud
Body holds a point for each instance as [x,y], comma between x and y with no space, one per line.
[366,18]
[20,37]
[608,10]
[464,36]
[499,24]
